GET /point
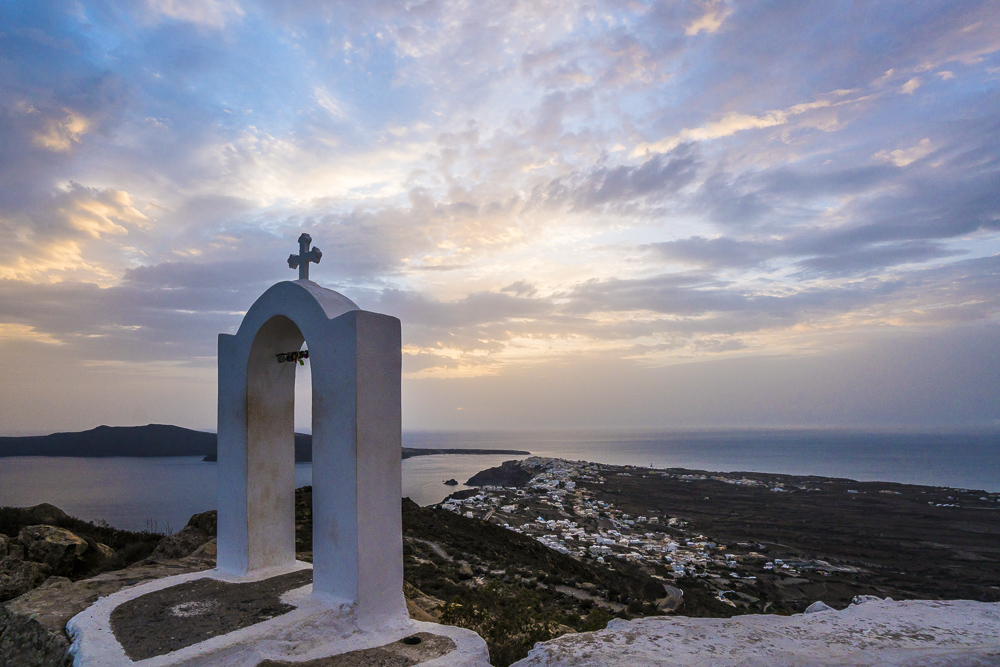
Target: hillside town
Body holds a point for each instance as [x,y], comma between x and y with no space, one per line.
[556,510]
[566,506]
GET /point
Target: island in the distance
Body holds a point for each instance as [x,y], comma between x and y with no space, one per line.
[165,440]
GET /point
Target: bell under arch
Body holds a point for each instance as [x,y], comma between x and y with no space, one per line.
[355,359]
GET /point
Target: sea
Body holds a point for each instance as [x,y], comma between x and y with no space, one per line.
[160,494]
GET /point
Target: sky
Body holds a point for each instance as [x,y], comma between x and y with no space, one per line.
[585,214]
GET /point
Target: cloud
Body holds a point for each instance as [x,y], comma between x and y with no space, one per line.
[172,312]
[52,241]
[13,331]
[659,176]
[875,257]
[60,135]
[720,252]
[671,317]
[520,288]
[734,122]
[227,275]
[726,126]
[329,103]
[883,378]
[902,157]
[884,79]
[101,212]
[910,86]
[710,21]
[209,13]
[826,255]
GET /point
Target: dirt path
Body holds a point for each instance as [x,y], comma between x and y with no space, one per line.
[437,548]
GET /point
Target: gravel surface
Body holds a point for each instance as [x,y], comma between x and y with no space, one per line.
[173,618]
[396,654]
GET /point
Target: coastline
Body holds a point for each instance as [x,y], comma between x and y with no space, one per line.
[133,493]
[410,452]
[583,542]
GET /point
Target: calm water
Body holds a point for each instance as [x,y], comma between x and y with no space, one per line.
[963,460]
[162,493]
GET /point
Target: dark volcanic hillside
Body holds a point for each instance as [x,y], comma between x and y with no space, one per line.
[150,440]
[139,441]
[905,541]
[163,440]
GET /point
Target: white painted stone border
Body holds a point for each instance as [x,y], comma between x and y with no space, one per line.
[312,630]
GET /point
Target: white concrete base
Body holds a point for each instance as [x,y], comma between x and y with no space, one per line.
[314,629]
[882,633]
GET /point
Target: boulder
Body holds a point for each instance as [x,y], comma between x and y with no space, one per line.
[99,557]
[864,599]
[58,548]
[4,546]
[422,606]
[182,543]
[33,626]
[818,606]
[44,513]
[199,530]
[416,613]
[20,576]
[24,642]
[208,550]
[206,522]
[107,553]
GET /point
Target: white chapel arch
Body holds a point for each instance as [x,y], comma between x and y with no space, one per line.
[355,358]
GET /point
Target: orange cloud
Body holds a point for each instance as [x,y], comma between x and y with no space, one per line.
[60,135]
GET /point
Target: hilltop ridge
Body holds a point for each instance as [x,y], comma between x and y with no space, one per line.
[166,440]
[139,441]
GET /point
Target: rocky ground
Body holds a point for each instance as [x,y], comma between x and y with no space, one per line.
[43,541]
[73,570]
[870,633]
[752,543]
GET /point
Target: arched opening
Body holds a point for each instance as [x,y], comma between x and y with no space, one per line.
[271,444]
[303,470]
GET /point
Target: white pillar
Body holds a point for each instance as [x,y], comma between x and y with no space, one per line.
[357,522]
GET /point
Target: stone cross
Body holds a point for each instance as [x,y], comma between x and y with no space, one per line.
[304,257]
